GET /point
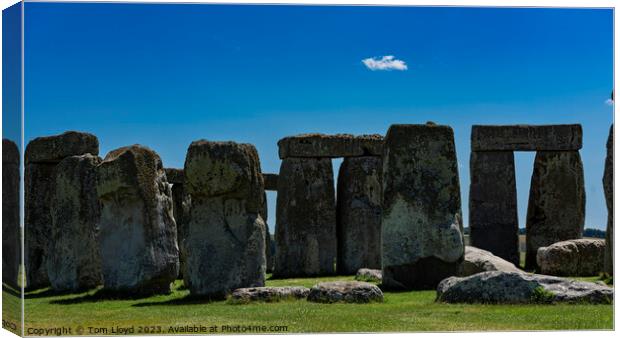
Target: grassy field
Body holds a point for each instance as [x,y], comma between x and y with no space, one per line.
[404,311]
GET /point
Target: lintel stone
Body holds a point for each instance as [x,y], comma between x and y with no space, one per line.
[557,137]
[339,145]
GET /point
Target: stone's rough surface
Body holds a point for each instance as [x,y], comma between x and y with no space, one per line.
[608,187]
[526,137]
[498,287]
[271,181]
[422,233]
[137,231]
[577,257]
[493,220]
[478,260]
[347,292]
[269,294]
[226,239]
[320,145]
[556,209]
[11,241]
[367,275]
[359,214]
[54,148]
[180,202]
[73,260]
[306,218]
[174,175]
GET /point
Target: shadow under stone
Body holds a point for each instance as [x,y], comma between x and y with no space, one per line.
[102,295]
[187,300]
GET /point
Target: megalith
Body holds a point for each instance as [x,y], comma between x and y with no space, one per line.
[73,260]
[358,214]
[556,208]
[226,238]
[422,233]
[608,187]
[41,157]
[11,239]
[493,220]
[137,230]
[306,240]
[180,208]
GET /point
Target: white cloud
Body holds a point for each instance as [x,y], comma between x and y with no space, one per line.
[609,102]
[386,62]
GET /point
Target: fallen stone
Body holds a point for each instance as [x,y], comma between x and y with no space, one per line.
[137,230]
[608,187]
[369,275]
[526,137]
[11,239]
[477,260]
[346,292]
[269,294]
[271,182]
[53,149]
[577,257]
[422,233]
[320,145]
[498,287]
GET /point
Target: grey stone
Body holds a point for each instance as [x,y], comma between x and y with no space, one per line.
[269,245]
[477,260]
[137,230]
[526,137]
[577,257]
[422,233]
[53,149]
[358,214]
[493,220]
[498,287]
[306,218]
[339,145]
[556,209]
[345,292]
[180,204]
[73,260]
[608,187]
[226,239]
[175,175]
[271,182]
[369,275]
[269,294]
[11,239]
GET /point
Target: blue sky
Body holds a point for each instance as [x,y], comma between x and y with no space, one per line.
[165,75]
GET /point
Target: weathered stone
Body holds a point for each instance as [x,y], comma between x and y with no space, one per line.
[493,220]
[180,201]
[320,145]
[306,218]
[137,230]
[226,239]
[556,209]
[269,245]
[577,257]
[422,233]
[54,148]
[477,260]
[174,175]
[369,275]
[271,182]
[526,137]
[498,287]
[608,187]
[73,261]
[269,294]
[346,292]
[11,240]
[358,214]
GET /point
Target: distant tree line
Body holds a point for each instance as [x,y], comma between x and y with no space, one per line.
[588,232]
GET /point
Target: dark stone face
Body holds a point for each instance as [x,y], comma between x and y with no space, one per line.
[11,242]
[424,274]
[526,137]
[608,186]
[329,146]
[271,181]
[53,149]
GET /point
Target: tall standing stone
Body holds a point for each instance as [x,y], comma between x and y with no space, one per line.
[180,208]
[359,214]
[556,209]
[422,233]
[137,231]
[226,239]
[11,241]
[306,243]
[73,260]
[608,186]
[493,220]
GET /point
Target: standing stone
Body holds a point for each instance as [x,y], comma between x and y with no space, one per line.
[269,246]
[179,205]
[493,220]
[226,239]
[137,231]
[306,218]
[422,233]
[608,186]
[73,260]
[11,241]
[359,214]
[556,209]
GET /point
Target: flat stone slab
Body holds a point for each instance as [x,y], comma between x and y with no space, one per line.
[498,287]
[526,137]
[339,145]
[369,275]
[577,257]
[269,294]
[347,292]
[478,260]
[54,148]
[174,175]
[271,182]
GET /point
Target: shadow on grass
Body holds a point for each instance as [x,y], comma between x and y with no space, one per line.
[187,300]
[49,292]
[8,289]
[102,295]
